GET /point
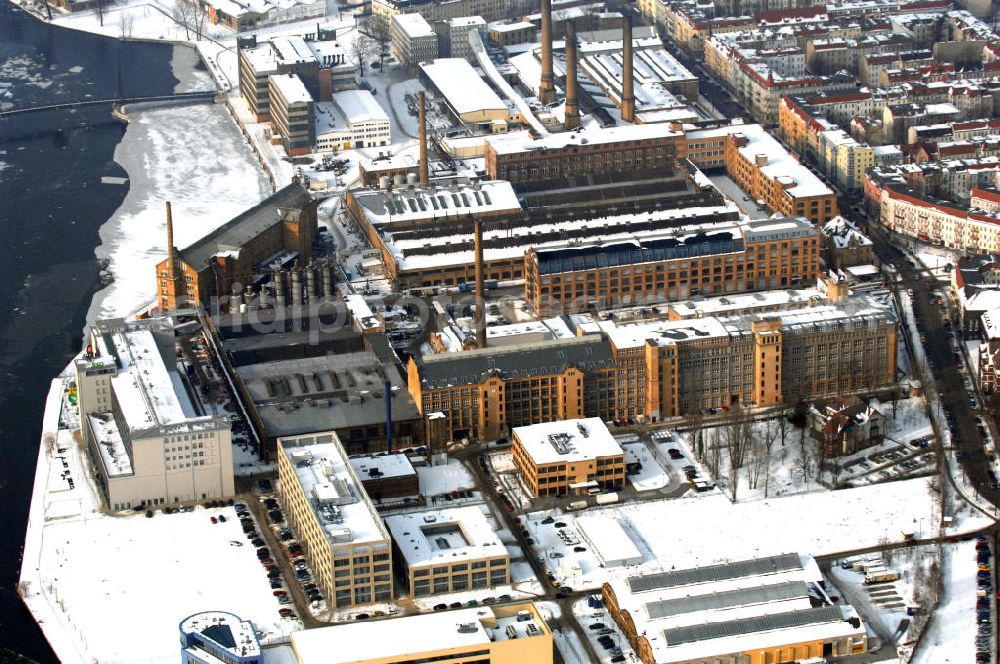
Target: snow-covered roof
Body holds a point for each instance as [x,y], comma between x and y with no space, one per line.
[147,391]
[444,631]
[700,613]
[609,541]
[448,199]
[333,489]
[465,91]
[413,25]
[466,22]
[443,537]
[567,441]
[360,106]
[991,323]
[843,233]
[511,27]
[515,143]
[291,88]
[762,301]
[780,166]
[225,630]
[114,454]
[385,466]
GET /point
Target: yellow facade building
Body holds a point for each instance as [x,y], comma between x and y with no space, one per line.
[569,457]
[653,369]
[510,634]
[764,169]
[343,537]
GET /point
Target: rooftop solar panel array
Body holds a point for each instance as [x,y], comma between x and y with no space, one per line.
[728,599]
[770,565]
[693,633]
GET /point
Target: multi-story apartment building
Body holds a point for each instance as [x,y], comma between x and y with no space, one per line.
[508,634]
[291,113]
[651,269]
[448,551]
[656,369]
[413,39]
[969,228]
[143,433]
[458,30]
[245,16]
[232,253]
[352,120]
[320,63]
[348,546]
[763,168]
[436,10]
[568,457]
[519,158]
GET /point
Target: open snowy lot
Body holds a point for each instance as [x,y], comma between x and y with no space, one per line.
[692,532]
[123,584]
[952,631]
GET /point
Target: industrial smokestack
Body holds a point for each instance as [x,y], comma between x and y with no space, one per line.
[423,167]
[388,416]
[628,90]
[546,87]
[170,238]
[480,298]
[572,111]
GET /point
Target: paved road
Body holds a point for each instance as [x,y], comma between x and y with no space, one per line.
[942,366]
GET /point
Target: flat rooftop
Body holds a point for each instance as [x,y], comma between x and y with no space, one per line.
[568,441]
[456,197]
[735,607]
[463,88]
[594,135]
[443,631]
[291,88]
[328,480]
[796,178]
[227,630]
[326,392]
[384,466]
[440,537]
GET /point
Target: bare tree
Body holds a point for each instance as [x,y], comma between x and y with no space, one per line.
[125,21]
[183,16]
[363,47]
[99,7]
[783,426]
[379,32]
[738,435]
[713,453]
[198,17]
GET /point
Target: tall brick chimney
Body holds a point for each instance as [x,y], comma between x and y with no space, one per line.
[628,90]
[547,88]
[423,167]
[480,297]
[572,119]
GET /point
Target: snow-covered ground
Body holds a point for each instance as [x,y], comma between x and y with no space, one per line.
[668,535]
[192,156]
[85,573]
[652,475]
[950,638]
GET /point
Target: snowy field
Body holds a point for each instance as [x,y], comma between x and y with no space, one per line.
[652,475]
[169,157]
[692,532]
[100,569]
[950,638]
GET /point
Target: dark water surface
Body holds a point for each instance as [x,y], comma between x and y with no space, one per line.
[52,203]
